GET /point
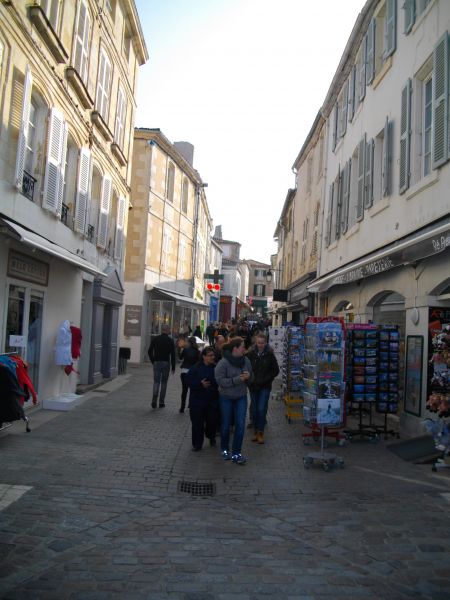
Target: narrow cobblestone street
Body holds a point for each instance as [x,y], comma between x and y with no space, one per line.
[91,508]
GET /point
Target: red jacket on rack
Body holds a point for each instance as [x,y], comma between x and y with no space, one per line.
[23,377]
[76,341]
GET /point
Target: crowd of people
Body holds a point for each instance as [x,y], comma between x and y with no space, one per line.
[218,378]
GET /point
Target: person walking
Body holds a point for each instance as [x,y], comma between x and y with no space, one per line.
[265,368]
[162,355]
[233,373]
[189,355]
[203,399]
[210,333]
[198,332]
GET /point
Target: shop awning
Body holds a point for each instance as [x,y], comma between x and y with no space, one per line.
[180,299]
[37,241]
[433,240]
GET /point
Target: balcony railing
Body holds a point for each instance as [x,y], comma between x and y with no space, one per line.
[28,183]
[90,234]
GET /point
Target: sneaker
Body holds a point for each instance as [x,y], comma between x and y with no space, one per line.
[239,459]
[153,404]
[162,405]
[226,455]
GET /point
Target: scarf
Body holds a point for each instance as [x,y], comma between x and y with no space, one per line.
[236,361]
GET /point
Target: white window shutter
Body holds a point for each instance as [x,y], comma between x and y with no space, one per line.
[23,132]
[83,188]
[440,102]
[62,173]
[405,135]
[57,137]
[105,205]
[118,248]
[361,177]
[386,160]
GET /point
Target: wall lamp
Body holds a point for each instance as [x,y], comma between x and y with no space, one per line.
[269,274]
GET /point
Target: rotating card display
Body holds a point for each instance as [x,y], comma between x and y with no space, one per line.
[388,374]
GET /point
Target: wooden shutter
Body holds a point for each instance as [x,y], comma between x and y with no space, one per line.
[361,174]
[409,8]
[346,197]
[370,62]
[362,71]
[105,207]
[405,133]
[56,154]
[330,215]
[351,94]
[82,42]
[368,178]
[118,248]
[335,125]
[62,174]
[338,204]
[440,102]
[23,131]
[83,188]
[390,28]
[386,159]
[120,117]
[344,111]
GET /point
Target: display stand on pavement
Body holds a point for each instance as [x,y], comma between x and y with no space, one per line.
[291,373]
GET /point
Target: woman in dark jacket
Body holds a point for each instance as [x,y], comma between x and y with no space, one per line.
[265,369]
[189,355]
[203,399]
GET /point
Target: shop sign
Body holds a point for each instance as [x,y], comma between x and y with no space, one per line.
[27,268]
[17,341]
[133,320]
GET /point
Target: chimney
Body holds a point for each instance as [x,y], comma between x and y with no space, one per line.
[186,150]
[218,232]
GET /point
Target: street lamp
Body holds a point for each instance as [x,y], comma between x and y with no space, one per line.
[270,274]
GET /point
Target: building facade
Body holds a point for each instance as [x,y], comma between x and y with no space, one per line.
[68,76]
[260,290]
[167,243]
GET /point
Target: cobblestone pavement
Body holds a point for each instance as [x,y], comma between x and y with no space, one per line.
[90,509]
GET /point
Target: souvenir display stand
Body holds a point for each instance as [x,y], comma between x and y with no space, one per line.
[323,386]
[291,373]
[13,391]
[438,400]
[388,375]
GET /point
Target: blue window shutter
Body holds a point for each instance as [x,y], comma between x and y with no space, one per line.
[335,124]
[329,215]
[440,102]
[409,10]
[362,72]
[386,159]
[351,94]
[368,182]
[338,203]
[346,197]
[390,28]
[405,136]
[344,110]
[361,174]
[370,62]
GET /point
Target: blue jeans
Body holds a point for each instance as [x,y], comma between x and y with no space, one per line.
[161,371]
[260,402]
[230,407]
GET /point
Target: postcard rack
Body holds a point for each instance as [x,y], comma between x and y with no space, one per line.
[291,372]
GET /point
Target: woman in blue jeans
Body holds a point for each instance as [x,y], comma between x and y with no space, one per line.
[265,369]
[233,373]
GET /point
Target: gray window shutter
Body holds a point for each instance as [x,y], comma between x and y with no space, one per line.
[391,28]
[23,131]
[409,8]
[362,72]
[405,136]
[346,179]
[118,247]
[386,159]
[105,206]
[56,157]
[368,182]
[440,102]
[340,198]
[370,62]
[335,124]
[83,187]
[361,174]
[351,94]
[329,216]
[344,110]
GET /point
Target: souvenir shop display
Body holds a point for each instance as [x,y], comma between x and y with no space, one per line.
[388,375]
[323,386]
[16,388]
[292,373]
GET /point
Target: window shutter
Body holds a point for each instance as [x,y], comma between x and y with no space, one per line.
[351,94]
[409,8]
[344,111]
[105,205]
[335,125]
[82,199]
[386,159]
[405,131]
[368,182]
[338,204]
[440,102]
[82,42]
[118,248]
[370,63]
[56,154]
[362,72]
[120,117]
[63,169]
[346,198]
[361,174]
[23,132]
[329,216]
[390,27]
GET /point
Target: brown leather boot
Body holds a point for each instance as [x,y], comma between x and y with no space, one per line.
[260,437]
[255,437]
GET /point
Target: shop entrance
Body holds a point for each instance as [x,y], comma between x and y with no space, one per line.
[24,326]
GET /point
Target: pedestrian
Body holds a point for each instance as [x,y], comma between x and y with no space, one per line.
[186,329]
[162,355]
[189,354]
[265,368]
[210,333]
[220,341]
[233,373]
[198,332]
[203,399]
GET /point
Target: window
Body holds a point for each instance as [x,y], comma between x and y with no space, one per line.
[69,183]
[103,85]
[126,41]
[309,173]
[412,10]
[120,229]
[82,36]
[121,110]
[182,258]
[320,161]
[165,250]
[185,195]
[82,199]
[94,205]
[259,290]
[170,182]
[56,163]
[51,10]
[440,102]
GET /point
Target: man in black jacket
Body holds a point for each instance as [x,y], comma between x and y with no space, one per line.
[161,354]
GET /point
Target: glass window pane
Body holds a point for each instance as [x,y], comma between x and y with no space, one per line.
[14,319]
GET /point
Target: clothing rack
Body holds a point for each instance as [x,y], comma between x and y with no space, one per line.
[16,404]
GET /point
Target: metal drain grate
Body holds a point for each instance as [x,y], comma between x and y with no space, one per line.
[197,489]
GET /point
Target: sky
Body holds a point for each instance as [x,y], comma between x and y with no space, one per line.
[241,80]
